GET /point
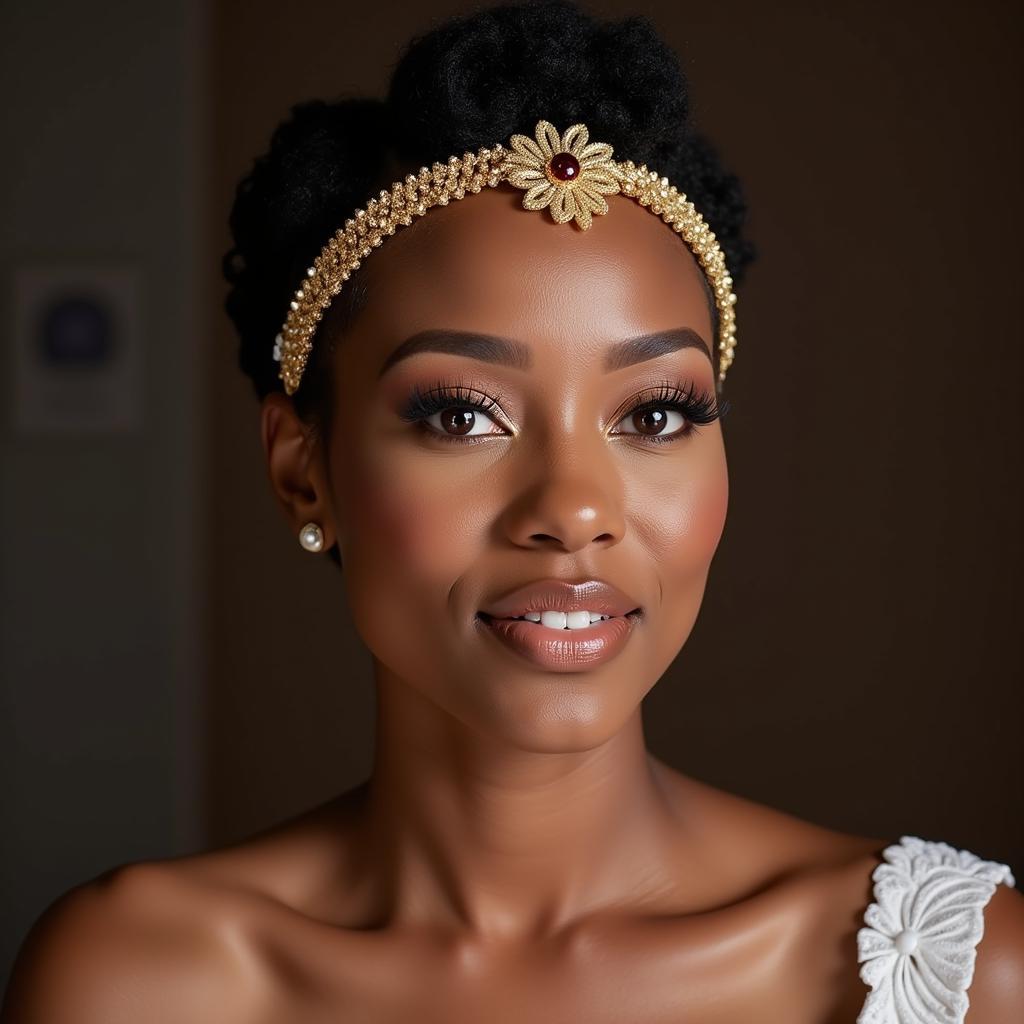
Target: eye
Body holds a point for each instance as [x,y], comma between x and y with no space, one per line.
[670,413]
[657,421]
[460,421]
[452,412]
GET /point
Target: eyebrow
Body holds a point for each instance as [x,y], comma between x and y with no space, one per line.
[492,348]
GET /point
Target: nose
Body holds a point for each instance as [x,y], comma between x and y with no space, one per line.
[566,514]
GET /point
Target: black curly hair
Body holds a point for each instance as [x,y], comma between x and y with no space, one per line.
[471,81]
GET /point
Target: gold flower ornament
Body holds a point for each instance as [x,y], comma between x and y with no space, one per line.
[565,173]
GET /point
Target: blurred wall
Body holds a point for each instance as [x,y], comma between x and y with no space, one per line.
[857,659]
[100,581]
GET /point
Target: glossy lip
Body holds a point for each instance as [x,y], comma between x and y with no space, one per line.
[564,596]
[562,650]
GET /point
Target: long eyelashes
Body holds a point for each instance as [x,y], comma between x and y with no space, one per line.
[695,408]
[444,395]
[702,408]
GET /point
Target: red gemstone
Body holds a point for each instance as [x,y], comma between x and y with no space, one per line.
[564,166]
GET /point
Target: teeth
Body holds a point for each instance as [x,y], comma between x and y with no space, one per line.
[564,620]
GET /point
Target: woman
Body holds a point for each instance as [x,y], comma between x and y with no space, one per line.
[505,428]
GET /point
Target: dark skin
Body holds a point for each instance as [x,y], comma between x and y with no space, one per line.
[516,854]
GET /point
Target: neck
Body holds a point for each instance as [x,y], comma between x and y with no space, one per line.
[502,843]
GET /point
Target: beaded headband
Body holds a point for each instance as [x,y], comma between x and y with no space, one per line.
[563,173]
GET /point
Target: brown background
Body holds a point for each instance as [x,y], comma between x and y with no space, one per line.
[857,659]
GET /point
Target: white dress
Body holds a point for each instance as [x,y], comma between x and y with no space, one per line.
[918,944]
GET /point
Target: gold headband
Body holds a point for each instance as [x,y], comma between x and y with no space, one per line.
[561,172]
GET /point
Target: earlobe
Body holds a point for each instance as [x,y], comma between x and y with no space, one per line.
[294,469]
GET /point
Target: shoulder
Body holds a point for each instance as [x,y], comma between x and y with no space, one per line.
[141,942]
[191,938]
[997,991]
[871,882]
[947,921]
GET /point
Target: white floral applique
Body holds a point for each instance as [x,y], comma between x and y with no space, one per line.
[918,948]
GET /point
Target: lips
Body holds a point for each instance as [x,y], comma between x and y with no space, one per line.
[564,596]
[562,650]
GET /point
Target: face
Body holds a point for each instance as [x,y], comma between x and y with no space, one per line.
[558,465]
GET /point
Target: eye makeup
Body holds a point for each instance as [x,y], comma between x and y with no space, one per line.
[696,408]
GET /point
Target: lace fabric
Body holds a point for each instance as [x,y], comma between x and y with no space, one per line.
[919,943]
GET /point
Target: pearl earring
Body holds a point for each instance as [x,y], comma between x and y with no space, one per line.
[311,537]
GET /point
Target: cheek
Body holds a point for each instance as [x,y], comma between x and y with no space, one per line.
[704,509]
[683,531]
[687,516]
[407,516]
[407,543]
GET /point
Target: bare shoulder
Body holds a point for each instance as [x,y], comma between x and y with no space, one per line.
[997,991]
[190,938]
[835,872]
[141,942]
[819,882]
